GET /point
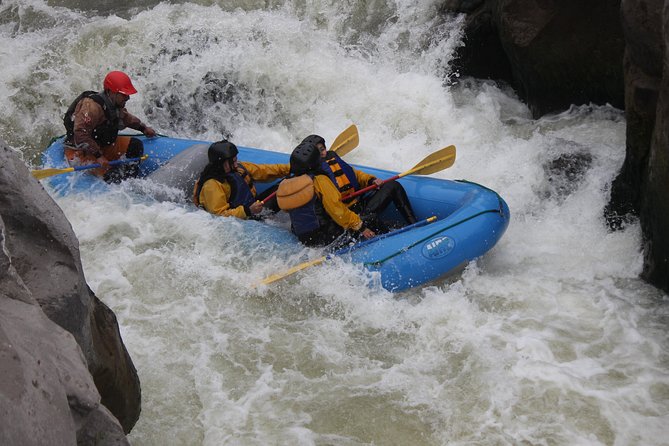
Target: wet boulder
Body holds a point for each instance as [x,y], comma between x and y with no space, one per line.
[42,268]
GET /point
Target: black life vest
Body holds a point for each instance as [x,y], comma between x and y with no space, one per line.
[341,174]
[242,191]
[241,184]
[106,133]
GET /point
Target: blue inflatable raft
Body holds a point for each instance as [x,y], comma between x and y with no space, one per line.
[470,218]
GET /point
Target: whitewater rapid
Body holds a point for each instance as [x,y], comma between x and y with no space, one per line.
[551,338]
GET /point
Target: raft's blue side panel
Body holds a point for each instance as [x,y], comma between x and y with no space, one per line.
[440,248]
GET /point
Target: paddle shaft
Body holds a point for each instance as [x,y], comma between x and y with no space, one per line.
[318,261]
[416,169]
[368,188]
[111,163]
[45,173]
[269,197]
[364,243]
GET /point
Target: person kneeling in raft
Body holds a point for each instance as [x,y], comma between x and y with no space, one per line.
[317,215]
[92,123]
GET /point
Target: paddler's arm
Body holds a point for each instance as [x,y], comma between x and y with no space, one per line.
[364,179]
[340,213]
[132,121]
[87,116]
[214,198]
[266,172]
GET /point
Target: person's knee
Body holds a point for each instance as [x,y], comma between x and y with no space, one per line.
[391,187]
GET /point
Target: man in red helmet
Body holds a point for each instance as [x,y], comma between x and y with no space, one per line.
[92,123]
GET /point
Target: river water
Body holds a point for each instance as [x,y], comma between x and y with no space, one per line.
[549,339]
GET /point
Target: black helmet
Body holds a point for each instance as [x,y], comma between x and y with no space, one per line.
[314,139]
[222,151]
[305,158]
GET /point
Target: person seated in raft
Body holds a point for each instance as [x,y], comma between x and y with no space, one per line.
[317,215]
[349,179]
[92,123]
[225,186]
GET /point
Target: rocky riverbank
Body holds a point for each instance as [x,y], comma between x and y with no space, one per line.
[66,375]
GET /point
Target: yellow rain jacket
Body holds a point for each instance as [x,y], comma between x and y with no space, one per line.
[215,195]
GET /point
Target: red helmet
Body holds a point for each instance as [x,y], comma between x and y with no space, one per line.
[119,82]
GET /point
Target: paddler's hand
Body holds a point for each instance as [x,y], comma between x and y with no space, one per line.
[256,207]
[377,182]
[367,233]
[148,131]
[102,161]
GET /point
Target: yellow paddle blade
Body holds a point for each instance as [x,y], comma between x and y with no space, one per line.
[293,270]
[346,141]
[435,162]
[45,173]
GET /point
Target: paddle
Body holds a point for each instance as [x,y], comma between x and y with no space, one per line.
[310,263]
[344,143]
[439,160]
[45,173]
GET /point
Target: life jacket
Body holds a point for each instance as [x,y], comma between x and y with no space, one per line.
[242,190]
[341,174]
[106,133]
[297,197]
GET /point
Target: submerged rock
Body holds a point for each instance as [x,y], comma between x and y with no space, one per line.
[566,173]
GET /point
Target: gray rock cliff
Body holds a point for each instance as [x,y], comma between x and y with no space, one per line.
[557,53]
[641,187]
[69,376]
[554,53]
